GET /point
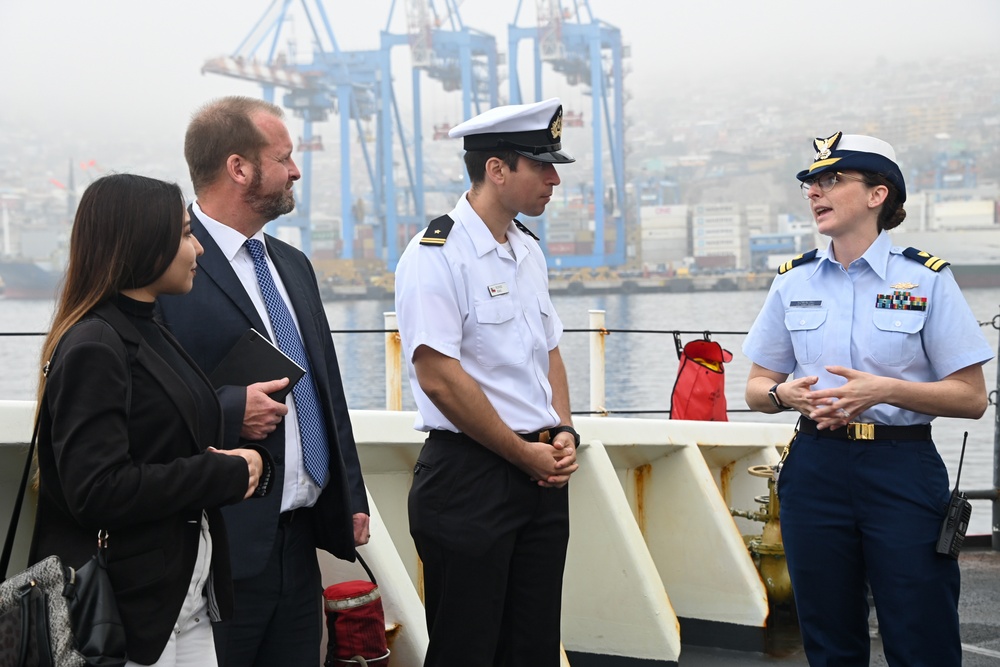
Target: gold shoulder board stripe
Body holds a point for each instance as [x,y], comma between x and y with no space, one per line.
[804,258]
[930,261]
[437,232]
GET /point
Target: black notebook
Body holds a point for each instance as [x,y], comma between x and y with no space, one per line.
[254,358]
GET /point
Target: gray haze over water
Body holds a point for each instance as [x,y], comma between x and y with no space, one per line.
[115,81]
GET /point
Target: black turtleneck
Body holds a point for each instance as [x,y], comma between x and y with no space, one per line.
[140,314]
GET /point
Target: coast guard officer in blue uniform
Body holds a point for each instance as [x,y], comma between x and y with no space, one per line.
[488,508]
[880,342]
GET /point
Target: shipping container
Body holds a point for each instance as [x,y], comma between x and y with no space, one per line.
[664,233]
[562,248]
[560,237]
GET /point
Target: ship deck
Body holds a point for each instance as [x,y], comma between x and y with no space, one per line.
[979,612]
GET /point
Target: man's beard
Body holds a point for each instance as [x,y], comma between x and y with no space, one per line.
[269,206]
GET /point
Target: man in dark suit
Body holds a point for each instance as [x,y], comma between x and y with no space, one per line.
[239,154]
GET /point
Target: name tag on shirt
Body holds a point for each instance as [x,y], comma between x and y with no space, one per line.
[499,289]
[805,304]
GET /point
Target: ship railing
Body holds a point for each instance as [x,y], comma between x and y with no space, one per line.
[598,333]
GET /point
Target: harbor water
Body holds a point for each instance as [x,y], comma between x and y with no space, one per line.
[641,364]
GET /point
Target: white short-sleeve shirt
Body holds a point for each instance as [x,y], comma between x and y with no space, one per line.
[470,300]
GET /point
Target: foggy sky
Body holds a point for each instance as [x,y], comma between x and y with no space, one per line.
[119,72]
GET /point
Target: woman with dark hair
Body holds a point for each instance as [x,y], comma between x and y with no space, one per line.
[880,342]
[129,427]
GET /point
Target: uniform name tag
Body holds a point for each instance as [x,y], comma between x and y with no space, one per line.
[499,289]
[805,304]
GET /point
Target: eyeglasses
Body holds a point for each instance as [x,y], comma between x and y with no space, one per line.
[825,182]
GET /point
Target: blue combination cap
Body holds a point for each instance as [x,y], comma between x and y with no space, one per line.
[532,130]
[855,152]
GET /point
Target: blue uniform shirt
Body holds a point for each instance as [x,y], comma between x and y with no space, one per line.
[885,314]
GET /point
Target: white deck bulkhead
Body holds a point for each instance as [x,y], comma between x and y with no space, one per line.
[655,555]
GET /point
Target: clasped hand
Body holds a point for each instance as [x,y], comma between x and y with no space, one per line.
[837,406]
[550,465]
[255,466]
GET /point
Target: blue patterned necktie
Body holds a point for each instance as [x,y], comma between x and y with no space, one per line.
[312,430]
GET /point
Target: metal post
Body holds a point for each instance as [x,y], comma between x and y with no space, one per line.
[996,453]
[393,364]
[597,362]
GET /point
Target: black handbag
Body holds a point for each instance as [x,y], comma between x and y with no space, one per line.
[53,615]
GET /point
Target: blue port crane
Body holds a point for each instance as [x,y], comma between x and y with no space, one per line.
[584,51]
[342,82]
[358,86]
[460,58]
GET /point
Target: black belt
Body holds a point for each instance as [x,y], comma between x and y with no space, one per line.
[535,436]
[859,431]
[286,518]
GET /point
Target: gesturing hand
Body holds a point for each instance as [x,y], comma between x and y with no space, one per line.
[837,406]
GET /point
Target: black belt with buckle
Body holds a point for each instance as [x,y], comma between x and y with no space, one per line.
[859,431]
[437,434]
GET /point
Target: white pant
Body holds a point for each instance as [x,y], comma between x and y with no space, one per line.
[192,643]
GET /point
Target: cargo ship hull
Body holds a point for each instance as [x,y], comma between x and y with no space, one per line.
[27,280]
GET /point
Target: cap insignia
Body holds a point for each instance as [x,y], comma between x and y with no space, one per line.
[555,127]
[826,146]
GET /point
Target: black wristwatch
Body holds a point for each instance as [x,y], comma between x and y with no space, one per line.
[772,393]
[556,430]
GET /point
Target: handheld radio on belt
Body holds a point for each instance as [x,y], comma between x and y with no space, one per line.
[956,521]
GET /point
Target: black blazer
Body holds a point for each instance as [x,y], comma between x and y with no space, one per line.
[208,321]
[119,450]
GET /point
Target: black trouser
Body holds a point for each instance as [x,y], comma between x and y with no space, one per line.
[493,546]
[278,618]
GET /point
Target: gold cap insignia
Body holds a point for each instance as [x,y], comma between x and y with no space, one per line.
[905,286]
[555,127]
[826,146]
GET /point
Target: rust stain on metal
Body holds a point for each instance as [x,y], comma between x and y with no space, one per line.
[393,371]
[641,475]
[725,477]
[391,632]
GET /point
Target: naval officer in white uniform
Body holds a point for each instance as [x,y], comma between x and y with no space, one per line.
[488,508]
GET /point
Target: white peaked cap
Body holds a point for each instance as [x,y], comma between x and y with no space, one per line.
[532,130]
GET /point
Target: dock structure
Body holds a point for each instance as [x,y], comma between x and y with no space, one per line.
[606,281]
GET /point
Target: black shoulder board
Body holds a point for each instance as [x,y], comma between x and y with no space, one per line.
[804,258]
[524,229]
[933,263]
[437,232]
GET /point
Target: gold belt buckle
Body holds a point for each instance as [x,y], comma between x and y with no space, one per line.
[858,431]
